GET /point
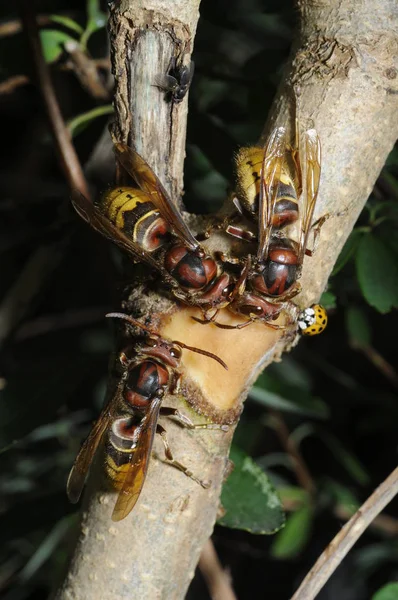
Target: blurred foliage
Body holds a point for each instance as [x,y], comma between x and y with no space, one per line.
[387,592]
[336,394]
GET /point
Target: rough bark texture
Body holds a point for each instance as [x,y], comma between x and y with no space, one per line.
[345,63]
[144,38]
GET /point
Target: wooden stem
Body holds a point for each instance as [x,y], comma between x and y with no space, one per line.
[339,547]
[343,63]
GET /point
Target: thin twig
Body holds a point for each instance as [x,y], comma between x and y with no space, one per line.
[380,363]
[12,27]
[217,580]
[12,83]
[20,297]
[346,538]
[15,81]
[69,159]
[302,473]
[86,71]
[384,524]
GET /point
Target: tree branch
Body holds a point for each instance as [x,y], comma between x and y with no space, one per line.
[342,63]
[19,298]
[339,547]
[66,151]
[217,580]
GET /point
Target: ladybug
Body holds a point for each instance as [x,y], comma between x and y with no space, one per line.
[312,320]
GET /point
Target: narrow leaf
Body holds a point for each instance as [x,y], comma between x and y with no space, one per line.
[46,549]
[301,402]
[295,534]
[358,328]
[79,123]
[68,23]
[346,458]
[95,14]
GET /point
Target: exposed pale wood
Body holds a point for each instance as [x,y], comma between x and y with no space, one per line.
[346,65]
[148,35]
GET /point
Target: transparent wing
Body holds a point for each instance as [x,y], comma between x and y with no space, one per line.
[141,172]
[78,474]
[187,74]
[138,467]
[274,155]
[166,82]
[93,216]
[312,175]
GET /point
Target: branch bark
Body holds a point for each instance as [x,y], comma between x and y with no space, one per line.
[343,62]
[339,547]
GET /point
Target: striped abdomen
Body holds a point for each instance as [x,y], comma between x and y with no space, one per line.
[132,211]
[286,203]
[249,163]
[119,447]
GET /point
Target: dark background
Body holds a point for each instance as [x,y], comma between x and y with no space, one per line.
[336,395]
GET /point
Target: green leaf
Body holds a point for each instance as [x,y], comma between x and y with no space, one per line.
[346,458]
[392,158]
[79,123]
[373,556]
[52,42]
[328,300]
[68,23]
[392,180]
[387,592]
[348,250]
[377,272]
[288,399]
[358,328]
[46,548]
[295,534]
[342,495]
[95,14]
[96,19]
[249,499]
[290,371]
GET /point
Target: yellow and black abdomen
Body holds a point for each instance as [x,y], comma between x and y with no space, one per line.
[249,163]
[286,209]
[132,211]
[119,448]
